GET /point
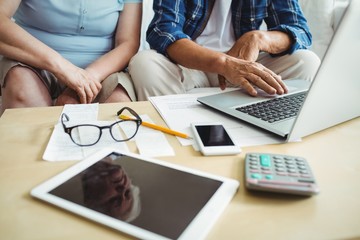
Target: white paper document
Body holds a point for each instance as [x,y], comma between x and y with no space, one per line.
[152,143]
[61,148]
[178,111]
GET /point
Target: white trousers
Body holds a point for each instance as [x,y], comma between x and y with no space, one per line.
[153,74]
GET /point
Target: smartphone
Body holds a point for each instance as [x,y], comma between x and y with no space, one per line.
[213,139]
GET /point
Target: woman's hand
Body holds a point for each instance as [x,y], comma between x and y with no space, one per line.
[82,82]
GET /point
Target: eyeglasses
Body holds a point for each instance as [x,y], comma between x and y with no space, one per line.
[89,134]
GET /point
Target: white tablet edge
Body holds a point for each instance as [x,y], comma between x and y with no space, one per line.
[204,220]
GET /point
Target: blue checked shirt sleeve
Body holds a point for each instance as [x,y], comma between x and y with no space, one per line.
[289,18]
[167,24]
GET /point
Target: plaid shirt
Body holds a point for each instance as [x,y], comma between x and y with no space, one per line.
[178,19]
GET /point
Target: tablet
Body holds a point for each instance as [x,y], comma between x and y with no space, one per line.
[143,197]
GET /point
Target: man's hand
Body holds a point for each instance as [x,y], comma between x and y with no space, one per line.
[247,47]
[248,72]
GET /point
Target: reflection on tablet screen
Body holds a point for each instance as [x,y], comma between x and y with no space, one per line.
[157,198]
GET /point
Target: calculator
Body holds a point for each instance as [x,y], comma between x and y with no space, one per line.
[279,173]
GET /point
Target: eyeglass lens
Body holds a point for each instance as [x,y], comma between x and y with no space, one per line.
[85,134]
[126,128]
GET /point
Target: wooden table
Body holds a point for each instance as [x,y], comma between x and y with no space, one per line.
[334,155]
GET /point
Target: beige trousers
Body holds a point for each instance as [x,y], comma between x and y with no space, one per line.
[55,87]
[153,74]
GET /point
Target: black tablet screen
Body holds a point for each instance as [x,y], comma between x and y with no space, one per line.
[157,198]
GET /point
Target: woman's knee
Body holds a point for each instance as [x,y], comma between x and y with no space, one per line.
[16,78]
[22,86]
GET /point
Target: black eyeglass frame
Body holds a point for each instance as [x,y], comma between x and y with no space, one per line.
[137,120]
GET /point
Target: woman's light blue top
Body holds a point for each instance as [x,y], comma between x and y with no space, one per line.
[80,30]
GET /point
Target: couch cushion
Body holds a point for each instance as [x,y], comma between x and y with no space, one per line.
[319,14]
[147,15]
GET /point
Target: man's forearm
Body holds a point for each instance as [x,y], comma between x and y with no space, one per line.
[237,71]
[191,55]
[273,42]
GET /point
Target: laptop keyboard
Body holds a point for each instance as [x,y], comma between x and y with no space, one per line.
[276,109]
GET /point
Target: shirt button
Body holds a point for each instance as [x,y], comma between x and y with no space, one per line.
[84,11]
[82,28]
[252,19]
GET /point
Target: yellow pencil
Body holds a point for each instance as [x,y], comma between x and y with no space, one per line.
[160,128]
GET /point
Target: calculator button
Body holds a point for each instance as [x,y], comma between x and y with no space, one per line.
[306,181]
[256,176]
[265,160]
[280,169]
[294,175]
[269,177]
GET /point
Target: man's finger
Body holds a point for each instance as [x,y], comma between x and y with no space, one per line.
[222,82]
[245,84]
[271,79]
[260,83]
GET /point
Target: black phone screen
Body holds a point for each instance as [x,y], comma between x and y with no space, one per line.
[214,135]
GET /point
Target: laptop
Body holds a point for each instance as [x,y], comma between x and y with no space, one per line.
[331,98]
